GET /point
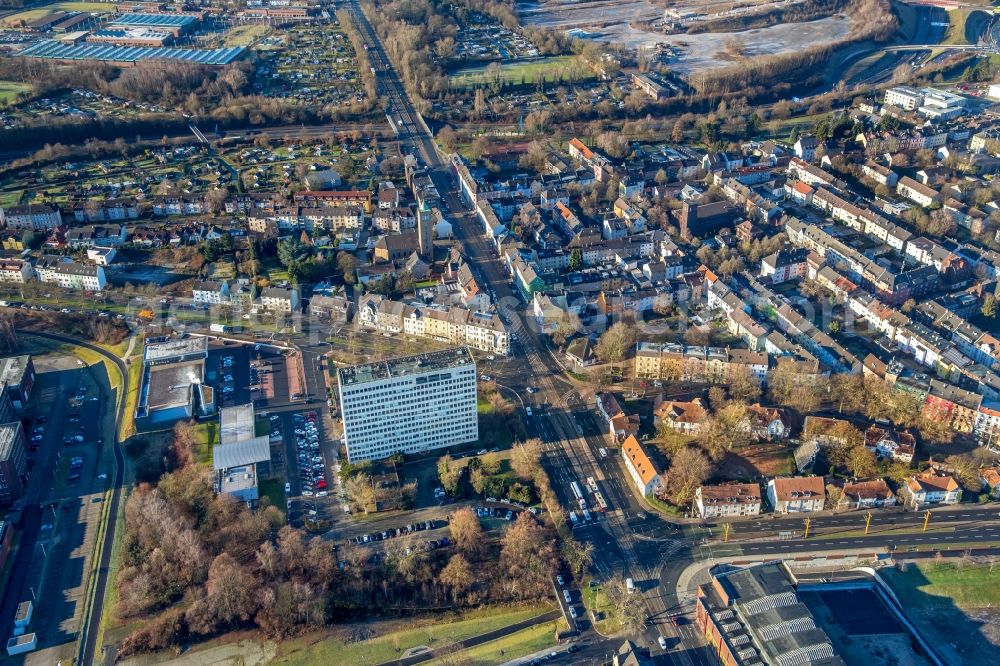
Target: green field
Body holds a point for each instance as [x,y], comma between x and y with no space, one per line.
[597,602]
[274,491]
[524,642]
[954,603]
[313,649]
[936,583]
[558,69]
[965,25]
[245,35]
[8,95]
[12,198]
[39,12]
[208,437]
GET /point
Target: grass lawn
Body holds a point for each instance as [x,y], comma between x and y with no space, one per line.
[245,35]
[127,427]
[96,7]
[954,604]
[964,25]
[13,197]
[329,649]
[524,642]
[274,491]
[33,14]
[275,271]
[595,600]
[934,583]
[783,127]
[566,68]
[956,26]
[8,93]
[208,438]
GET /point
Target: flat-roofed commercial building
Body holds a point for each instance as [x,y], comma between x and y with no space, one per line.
[410,404]
[131,37]
[753,616]
[174,24]
[51,49]
[239,456]
[173,376]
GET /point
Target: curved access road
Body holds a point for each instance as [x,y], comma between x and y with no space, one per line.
[92,613]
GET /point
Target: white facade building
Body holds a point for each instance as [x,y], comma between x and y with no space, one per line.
[278,299]
[15,270]
[904,97]
[70,275]
[728,500]
[32,216]
[411,404]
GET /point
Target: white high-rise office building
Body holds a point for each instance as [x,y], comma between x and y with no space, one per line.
[410,404]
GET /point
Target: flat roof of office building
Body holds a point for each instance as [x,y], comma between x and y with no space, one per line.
[405,365]
[165,351]
[247,452]
[238,479]
[170,385]
[12,368]
[236,424]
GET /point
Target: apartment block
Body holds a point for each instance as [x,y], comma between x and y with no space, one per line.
[411,404]
[455,324]
[728,500]
[32,216]
[69,274]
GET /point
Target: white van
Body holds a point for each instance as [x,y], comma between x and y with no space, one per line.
[629,585]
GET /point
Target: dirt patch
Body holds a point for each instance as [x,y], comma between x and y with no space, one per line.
[756,461]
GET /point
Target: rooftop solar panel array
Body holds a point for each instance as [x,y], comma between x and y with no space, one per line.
[154,20]
[54,50]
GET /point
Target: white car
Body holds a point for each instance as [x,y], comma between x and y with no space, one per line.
[604,452]
[288,488]
[559,579]
[663,642]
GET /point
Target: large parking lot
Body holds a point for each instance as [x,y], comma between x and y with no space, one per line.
[66,426]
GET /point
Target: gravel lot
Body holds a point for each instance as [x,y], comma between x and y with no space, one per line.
[613,21]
